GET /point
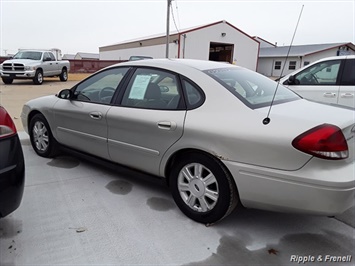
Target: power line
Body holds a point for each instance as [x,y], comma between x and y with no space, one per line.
[177,12]
[172,13]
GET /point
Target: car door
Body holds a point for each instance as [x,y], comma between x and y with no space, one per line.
[81,120]
[55,64]
[319,82]
[148,120]
[47,65]
[347,84]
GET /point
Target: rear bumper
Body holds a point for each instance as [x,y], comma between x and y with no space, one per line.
[317,188]
[12,175]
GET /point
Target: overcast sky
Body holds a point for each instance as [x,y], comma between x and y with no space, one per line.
[84,25]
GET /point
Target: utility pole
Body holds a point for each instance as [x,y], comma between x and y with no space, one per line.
[167,29]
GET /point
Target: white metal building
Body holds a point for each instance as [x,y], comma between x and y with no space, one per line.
[272,59]
[219,41]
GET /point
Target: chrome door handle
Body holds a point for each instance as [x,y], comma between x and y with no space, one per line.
[96,115]
[167,125]
[329,95]
[347,95]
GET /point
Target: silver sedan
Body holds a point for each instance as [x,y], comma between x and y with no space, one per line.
[221,135]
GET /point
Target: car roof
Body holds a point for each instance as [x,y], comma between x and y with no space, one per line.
[168,63]
[335,58]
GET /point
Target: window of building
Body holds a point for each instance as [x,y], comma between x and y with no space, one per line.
[277,65]
[292,65]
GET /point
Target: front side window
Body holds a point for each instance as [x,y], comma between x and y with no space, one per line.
[152,89]
[47,57]
[52,56]
[101,87]
[251,88]
[322,73]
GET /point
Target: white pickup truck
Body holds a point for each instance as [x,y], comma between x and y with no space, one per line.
[35,65]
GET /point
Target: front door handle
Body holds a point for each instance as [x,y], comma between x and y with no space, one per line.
[167,125]
[96,115]
[329,95]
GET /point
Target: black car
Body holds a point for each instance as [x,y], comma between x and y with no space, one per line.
[12,165]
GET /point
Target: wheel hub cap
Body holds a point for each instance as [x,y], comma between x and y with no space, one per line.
[40,136]
[198,187]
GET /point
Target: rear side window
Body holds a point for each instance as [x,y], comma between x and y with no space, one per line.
[194,96]
[348,77]
[253,89]
[151,88]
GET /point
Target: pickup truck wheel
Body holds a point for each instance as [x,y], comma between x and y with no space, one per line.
[7,80]
[38,79]
[64,75]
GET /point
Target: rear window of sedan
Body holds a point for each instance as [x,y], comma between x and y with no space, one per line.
[251,88]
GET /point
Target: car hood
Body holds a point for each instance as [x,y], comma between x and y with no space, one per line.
[21,61]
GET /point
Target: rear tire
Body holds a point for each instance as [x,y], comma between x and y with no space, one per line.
[64,75]
[41,137]
[38,78]
[203,188]
[7,80]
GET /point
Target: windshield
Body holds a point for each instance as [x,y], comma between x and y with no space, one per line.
[28,55]
[251,88]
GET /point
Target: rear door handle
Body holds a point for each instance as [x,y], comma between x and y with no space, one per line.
[329,95]
[167,125]
[347,95]
[96,115]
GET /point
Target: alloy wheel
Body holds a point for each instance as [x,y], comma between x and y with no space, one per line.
[40,136]
[198,187]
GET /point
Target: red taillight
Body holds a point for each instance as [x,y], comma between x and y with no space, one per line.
[7,126]
[324,141]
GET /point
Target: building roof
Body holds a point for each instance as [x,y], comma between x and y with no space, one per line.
[173,34]
[301,50]
[68,56]
[87,55]
[259,39]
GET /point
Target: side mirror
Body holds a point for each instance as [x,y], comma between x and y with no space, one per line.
[65,94]
[164,89]
[291,81]
[47,59]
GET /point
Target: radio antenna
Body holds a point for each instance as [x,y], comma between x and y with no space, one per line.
[267,119]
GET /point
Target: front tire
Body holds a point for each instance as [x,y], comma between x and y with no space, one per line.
[64,75]
[41,137]
[203,188]
[7,80]
[38,78]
